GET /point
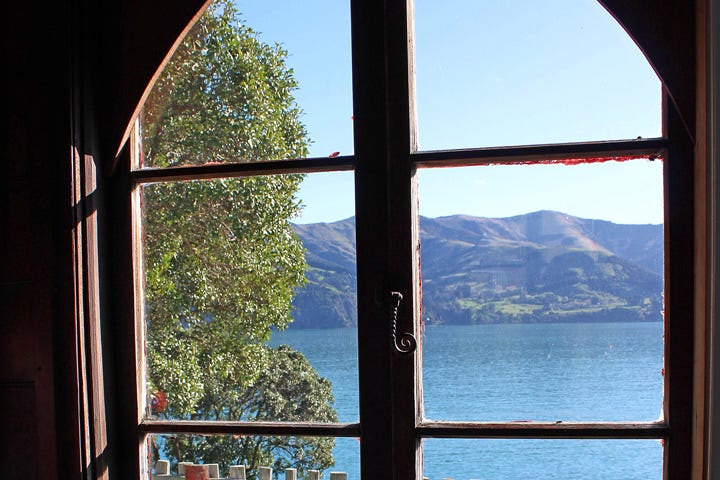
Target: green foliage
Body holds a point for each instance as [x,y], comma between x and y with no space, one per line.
[224,96]
[222,265]
[222,262]
[289,389]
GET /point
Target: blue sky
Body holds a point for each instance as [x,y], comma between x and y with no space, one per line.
[489,73]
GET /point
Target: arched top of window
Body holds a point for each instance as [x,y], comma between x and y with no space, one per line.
[248,83]
[518,73]
[664,34]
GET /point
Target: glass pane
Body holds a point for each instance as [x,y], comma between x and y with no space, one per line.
[542,292]
[325,309]
[524,72]
[543,459]
[333,354]
[251,82]
[229,455]
[225,271]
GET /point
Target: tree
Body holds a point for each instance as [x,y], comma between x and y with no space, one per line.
[223,96]
[289,389]
[221,260]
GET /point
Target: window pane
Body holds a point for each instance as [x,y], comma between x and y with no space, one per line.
[543,459]
[524,72]
[333,354]
[325,454]
[251,82]
[325,309]
[225,271]
[543,315]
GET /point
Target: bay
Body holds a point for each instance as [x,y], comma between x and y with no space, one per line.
[515,372]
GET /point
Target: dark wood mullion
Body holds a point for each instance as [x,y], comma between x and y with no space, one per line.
[372,223]
[656,430]
[679,294]
[404,236]
[225,170]
[653,147]
[251,428]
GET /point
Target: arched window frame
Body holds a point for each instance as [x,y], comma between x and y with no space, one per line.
[383,131]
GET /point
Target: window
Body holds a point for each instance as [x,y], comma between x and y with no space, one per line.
[394,433]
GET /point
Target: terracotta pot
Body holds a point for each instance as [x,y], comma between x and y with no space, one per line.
[197,472]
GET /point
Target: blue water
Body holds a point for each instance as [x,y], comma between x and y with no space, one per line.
[560,372]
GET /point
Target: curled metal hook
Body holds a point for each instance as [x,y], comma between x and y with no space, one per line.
[406,343]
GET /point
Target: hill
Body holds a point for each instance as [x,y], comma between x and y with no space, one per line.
[540,267]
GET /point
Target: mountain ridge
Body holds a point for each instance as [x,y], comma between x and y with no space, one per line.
[543,266]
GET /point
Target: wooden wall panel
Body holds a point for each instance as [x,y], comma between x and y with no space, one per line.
[17,339]
[18,435]
[36,287]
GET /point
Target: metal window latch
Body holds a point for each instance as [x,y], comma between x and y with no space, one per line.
[406,342]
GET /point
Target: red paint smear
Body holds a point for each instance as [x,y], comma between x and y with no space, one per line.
[578,161]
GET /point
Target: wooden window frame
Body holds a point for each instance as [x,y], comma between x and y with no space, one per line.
[386,158]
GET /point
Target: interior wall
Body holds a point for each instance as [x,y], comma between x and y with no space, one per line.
[36,287]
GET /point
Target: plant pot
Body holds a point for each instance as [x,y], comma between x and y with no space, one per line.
[197,472]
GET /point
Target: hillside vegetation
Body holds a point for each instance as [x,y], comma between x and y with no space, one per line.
[540,267]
